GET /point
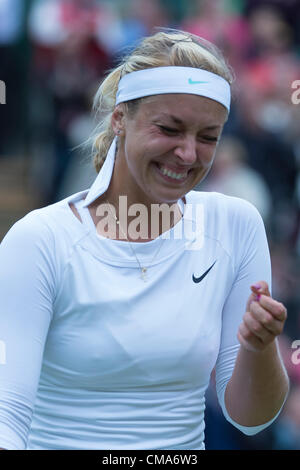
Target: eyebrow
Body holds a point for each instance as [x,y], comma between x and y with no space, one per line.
[179,121]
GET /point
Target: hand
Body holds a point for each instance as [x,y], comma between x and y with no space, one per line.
[263,321]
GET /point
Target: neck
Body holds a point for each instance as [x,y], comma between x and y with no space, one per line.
[138,218]
[130,220]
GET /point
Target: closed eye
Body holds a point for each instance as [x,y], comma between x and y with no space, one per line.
[210,138]
[168,130]
[173,131]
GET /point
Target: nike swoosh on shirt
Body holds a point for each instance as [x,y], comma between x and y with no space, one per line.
[193,82]
[198,279]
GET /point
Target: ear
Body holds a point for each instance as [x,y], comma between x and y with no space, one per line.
[117,119]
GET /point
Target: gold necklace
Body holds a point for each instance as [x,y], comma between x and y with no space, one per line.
[142,268]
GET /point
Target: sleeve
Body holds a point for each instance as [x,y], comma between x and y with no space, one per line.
[251,264]
[27,290]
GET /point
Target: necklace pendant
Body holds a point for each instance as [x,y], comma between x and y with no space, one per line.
[144,274]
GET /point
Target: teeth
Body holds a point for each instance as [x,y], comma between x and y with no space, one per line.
[172,174]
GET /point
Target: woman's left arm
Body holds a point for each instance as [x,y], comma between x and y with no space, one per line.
[259,383]
[251,380]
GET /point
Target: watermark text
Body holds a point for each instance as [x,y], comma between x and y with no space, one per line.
[2,92]
[296,354]
[2,352]
[296,94]
[138,222]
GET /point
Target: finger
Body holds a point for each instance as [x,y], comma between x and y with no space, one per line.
[253,296]
[257,329]
[261,287]
[248,340]
[277,309]
[266,319]
[251,299]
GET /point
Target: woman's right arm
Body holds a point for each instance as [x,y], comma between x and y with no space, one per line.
[27,289]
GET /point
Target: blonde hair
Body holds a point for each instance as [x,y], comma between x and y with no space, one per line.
[165,48]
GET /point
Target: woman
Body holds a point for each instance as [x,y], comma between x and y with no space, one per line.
[112,329]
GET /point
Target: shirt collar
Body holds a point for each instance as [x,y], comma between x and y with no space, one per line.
[103,178]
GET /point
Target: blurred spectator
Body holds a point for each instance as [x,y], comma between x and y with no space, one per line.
[266,78]
[68,63]
[229,31]
[177,11]
[271,69]
[10,21]
[11,28]
[265,112]
[286,279]
[270,32]
[231,175]
[138,19]
[147,15]
[289,9]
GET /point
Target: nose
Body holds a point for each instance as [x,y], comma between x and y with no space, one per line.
[187,150]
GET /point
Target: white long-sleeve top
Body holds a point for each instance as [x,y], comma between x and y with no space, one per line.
[93,357]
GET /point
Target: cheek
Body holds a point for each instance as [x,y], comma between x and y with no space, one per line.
[156,144]
[207,156]
[144,151]
[137,156]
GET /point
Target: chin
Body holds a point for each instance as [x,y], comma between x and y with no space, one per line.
[169,197]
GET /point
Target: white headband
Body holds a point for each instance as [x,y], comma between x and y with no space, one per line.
[160,80]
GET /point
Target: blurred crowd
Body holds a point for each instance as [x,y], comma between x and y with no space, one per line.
[53,55]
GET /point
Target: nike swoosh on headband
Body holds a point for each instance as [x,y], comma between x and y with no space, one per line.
[193,82]
[198,279]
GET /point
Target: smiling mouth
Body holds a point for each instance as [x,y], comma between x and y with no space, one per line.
[172,175]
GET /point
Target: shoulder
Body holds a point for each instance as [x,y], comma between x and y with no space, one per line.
[45,228]
[230,221]
[39,244]
[30,229]
[225,208]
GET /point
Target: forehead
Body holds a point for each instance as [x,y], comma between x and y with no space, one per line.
[183,107]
